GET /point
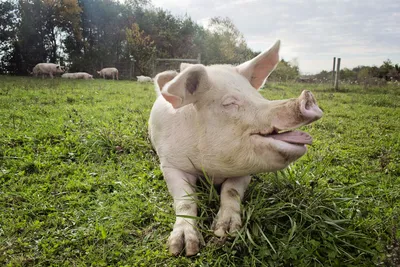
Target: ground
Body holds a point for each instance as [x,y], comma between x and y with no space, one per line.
[80,183]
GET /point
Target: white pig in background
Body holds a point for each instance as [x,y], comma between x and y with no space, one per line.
[212,119]
[144,79]
[109,72]
[77,75]
[48,69]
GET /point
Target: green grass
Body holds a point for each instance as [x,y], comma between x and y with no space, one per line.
[80,184]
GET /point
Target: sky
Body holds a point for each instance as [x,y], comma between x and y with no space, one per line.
[360,32]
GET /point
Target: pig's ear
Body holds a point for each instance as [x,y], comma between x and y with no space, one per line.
[162,78]
[183,66]
[259,68]
[186,86]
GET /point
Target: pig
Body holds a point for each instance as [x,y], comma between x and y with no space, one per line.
[212,120]
[109,72]
[143,79]
[47,68]
[77,75]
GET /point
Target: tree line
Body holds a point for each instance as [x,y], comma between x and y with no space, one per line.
[86,35]
[367,75]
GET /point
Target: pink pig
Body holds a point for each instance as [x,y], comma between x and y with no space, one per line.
[212,119]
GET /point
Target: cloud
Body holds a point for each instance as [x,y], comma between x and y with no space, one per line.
[360,32]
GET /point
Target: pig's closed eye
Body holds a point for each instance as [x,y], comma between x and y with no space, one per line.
[227,104]
[231,102]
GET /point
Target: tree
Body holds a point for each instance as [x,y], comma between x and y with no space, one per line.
[363,76]
[101,41]
[347,74]
[31,37]
[8,33]
[141,48]
[385,68]
[173,36]
[8,14]
[90,34]
[225,43]
[394,73]
[284,72]
[37,29]
[58,16]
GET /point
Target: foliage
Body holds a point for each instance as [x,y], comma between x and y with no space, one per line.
[225,43]
[141,48]
[363,74]
[284,72]
[102,41]
[366,75]
[87,35]
[81,185]
[38,28]
[173,36]
[8,12]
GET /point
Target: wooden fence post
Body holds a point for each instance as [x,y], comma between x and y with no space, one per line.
[337,78]
[333,71]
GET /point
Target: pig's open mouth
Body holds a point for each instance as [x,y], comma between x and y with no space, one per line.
[292,137]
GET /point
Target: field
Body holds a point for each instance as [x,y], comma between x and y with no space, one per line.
[80,184]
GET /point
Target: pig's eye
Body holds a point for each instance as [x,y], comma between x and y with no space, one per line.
[231,102]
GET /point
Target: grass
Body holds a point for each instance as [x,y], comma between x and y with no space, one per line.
[80,184]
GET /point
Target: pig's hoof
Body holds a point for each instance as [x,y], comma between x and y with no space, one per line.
[227,222]
[184,237]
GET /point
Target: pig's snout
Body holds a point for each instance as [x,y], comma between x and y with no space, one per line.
[309,107]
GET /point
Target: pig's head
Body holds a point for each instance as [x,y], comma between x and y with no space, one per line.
[60,69]
[237,129]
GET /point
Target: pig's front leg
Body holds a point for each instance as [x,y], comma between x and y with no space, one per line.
[181,185]
[228,218]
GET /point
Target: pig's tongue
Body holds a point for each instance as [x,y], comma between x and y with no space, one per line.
[293,137]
